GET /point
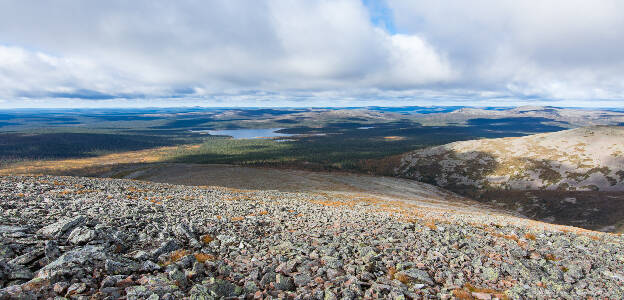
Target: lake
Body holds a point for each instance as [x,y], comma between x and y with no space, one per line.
[247,133]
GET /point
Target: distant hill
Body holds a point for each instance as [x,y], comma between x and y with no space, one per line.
[573,160]
[543,175]
[564,117]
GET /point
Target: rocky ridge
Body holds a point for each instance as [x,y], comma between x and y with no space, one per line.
[82,238]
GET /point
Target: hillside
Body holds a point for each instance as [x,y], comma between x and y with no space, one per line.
[585,166]
[563,117]
[111,238]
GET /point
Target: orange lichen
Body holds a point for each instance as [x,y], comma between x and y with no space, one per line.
[431,225]
[530,236]
[391,272]
[462,294]
[176,256]
[402,278]
[206,238]
[550,257]
[203,257]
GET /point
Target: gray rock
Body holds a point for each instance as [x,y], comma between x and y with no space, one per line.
[178,277]
[57,229]
[141,255]
[28,257]
[51,250]
[331,262]
[81,235]
[166,247]
[125,267]
[7,229]
[6,251]
[227,240]
[250,286]
[267,278]
[200,292]
[416,275]
[284,283]
[76,288]
[15,272]
[302,279]
[221,288]
[150,266]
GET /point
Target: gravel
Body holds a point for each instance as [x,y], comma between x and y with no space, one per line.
[83,238]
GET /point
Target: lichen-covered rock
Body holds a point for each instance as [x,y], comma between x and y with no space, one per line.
[60,227]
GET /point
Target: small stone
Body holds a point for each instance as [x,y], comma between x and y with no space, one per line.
[482,296]
[150,266]
[250,286]
[490,274]
[226,239]
[76,288]
[415,275]
[199,292]
[331,262]
[284,283]
[178,277]
[332,274]
[302,279]
[108,281]
[115,268]
[140,255]
[60,288]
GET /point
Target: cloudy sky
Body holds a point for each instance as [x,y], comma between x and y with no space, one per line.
[311,53]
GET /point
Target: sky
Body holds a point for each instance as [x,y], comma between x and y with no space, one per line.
[117,53]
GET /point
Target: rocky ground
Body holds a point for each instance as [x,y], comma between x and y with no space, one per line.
[85,238]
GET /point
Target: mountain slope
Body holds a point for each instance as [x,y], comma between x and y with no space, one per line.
[105,238]
[579,169]
[579,159]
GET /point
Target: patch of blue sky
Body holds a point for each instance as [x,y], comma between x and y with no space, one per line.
[381,15]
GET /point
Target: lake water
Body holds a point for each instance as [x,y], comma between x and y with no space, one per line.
[247,133]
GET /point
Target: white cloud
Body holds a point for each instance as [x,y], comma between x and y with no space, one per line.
[308,51]
[551,49]
[156,48]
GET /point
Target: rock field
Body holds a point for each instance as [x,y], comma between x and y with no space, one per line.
[81,238]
